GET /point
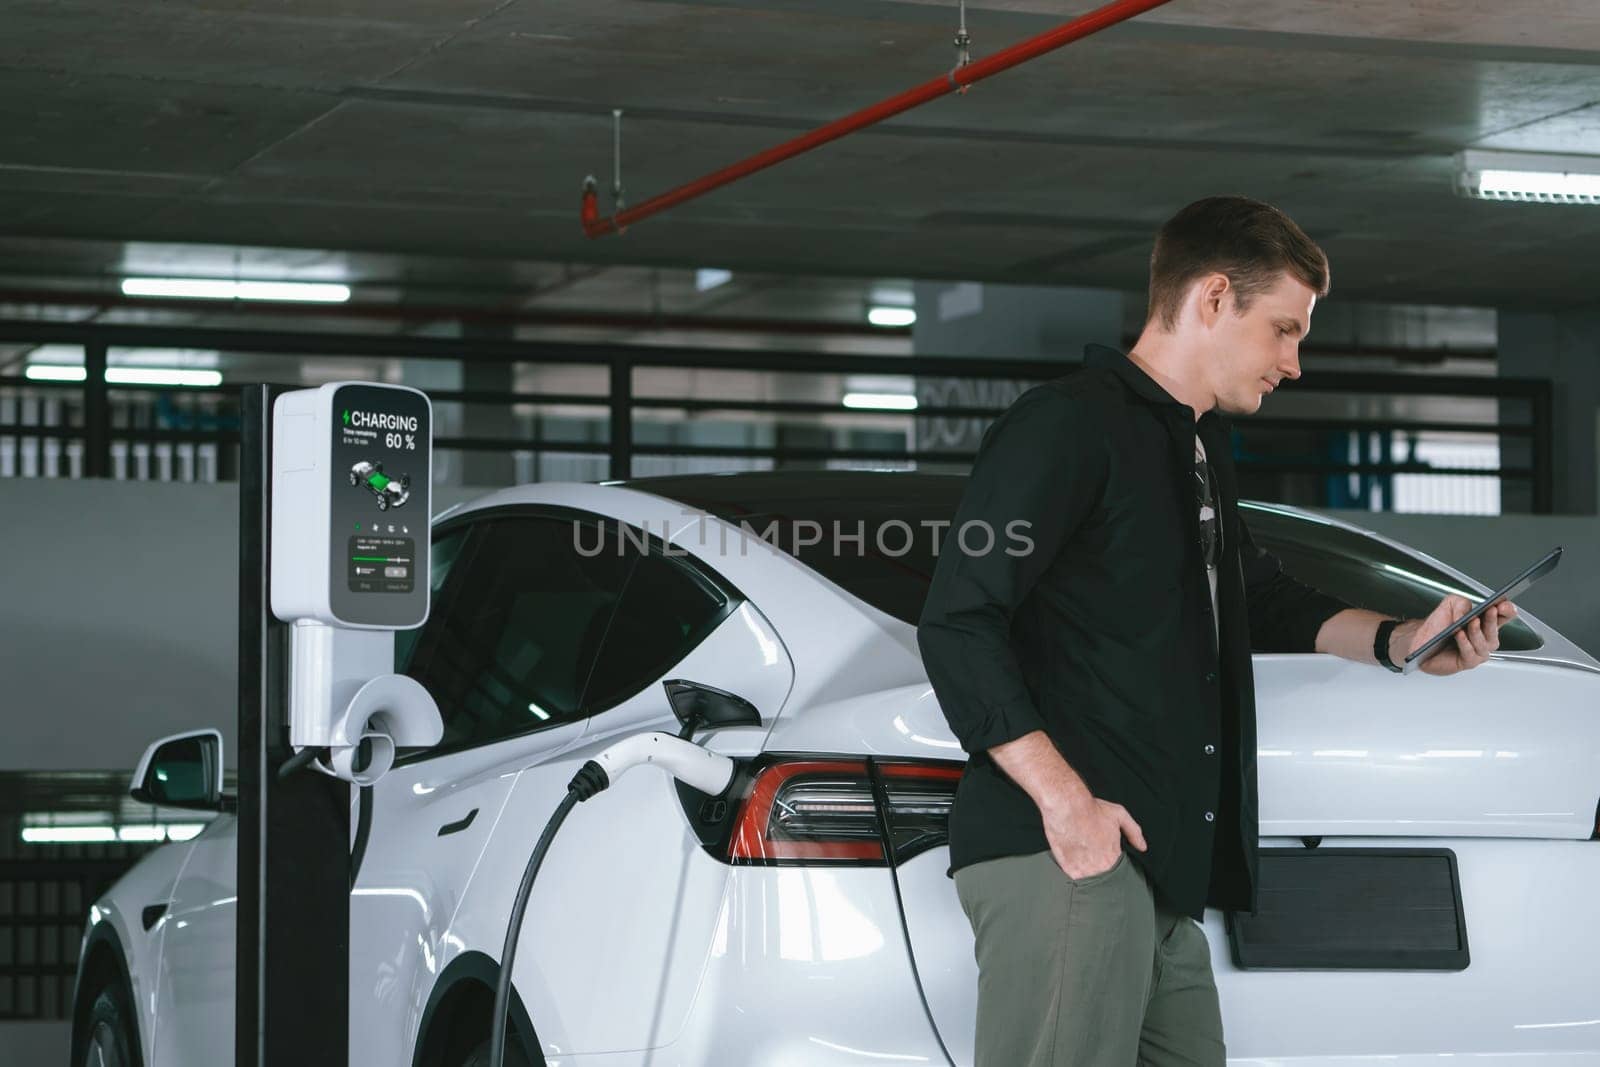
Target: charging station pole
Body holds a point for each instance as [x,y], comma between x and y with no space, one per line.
[292,977]
[329,569]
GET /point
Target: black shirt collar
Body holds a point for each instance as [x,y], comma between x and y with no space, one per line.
[1134,377]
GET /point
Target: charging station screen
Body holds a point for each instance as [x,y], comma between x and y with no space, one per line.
[380,506]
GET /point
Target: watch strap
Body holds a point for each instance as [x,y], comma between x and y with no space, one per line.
[1380,645]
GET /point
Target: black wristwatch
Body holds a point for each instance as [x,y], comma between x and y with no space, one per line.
[1380,645]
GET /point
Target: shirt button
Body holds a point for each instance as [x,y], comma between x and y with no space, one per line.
[1210,817]
[1211,750]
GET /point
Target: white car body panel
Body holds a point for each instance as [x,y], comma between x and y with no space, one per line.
[641,948]
[150,881]
[1347,750]
[412,883]
[195,1002]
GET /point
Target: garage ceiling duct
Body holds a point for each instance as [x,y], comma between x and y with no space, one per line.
[965,74]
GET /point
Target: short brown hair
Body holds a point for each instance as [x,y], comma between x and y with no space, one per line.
[1250,242]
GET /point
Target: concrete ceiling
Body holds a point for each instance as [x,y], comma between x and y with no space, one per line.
[461,129]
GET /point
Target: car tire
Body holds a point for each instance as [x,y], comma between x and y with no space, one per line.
[479,1057]
[109,1041]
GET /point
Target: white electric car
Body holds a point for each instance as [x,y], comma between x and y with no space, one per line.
[1430,878]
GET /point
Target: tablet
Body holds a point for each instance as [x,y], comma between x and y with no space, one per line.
[1512,588]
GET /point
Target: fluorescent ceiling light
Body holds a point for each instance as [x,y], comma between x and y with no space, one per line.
[880,401]
[1528,176]
[217,289]
[195,288]
[145,833]
[888,316]
[537,710]
[710,277]
[162,376]
[45,372]
[142,833]
[67,835]
[50,372]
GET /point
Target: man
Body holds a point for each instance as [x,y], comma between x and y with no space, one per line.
[1102,681]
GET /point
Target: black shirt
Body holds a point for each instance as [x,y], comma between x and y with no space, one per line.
[1101,635]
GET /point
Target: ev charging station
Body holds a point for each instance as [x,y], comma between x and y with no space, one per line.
[335,501]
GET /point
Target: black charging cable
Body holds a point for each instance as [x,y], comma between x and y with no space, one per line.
[590,779]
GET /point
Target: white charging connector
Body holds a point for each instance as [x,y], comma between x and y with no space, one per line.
[684,760]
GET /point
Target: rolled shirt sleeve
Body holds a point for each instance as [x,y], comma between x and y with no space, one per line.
[1039,469]
[1285,614]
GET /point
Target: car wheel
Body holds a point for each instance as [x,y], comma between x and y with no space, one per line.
[479,1057]
[109,1043]
[353,479]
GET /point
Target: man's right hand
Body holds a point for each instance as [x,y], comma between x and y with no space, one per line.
[1084,832]
[1085,835]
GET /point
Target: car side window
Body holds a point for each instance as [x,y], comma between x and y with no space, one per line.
[512,649]
[667,609]
[1365,572]
[446,549]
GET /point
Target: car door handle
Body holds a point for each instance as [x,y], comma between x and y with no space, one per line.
[457,827]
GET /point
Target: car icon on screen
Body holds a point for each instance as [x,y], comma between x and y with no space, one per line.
[391,492]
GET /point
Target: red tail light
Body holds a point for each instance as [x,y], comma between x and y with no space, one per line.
[850,811]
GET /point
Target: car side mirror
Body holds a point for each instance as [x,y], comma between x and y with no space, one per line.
[182,771]
[699,706]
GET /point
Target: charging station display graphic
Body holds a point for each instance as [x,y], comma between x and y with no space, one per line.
[380,457]
[390,492]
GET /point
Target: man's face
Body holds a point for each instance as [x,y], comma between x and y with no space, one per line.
[1253,352]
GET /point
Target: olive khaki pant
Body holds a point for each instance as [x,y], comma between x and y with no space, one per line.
[1086,972]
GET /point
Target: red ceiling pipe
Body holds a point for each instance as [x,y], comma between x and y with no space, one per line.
[596,225]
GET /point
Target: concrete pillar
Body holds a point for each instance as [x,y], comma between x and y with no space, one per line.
[1001,322]
[1563,346]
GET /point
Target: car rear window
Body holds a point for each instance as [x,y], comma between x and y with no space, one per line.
[896,514]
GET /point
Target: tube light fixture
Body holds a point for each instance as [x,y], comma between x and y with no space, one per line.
[880,401]
[67,835]
[219,289]
[51,372]
[162,376]
[1528,176]
[104,833]
[891,316]
[143,834]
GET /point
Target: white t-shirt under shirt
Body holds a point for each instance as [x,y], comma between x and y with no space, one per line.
[1209,515]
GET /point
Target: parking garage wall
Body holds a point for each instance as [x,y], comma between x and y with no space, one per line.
[117,621]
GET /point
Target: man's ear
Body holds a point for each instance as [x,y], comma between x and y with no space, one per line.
[1213,295]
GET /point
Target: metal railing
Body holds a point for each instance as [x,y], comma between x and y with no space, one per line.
[112,430]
